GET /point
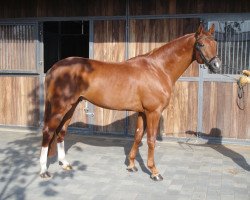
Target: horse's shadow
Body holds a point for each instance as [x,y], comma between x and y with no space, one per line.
[214,141]
[114,141]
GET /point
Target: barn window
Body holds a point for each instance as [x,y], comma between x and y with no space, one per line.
[18,47]
[64,39]
[233,39]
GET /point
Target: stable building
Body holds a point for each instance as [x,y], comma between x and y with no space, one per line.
[34,34]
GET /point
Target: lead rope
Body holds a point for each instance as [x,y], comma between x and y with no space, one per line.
[240,99]
[242,82]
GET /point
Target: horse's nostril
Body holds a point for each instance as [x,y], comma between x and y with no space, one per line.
[217,65]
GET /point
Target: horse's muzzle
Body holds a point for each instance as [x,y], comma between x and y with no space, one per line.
[214,64]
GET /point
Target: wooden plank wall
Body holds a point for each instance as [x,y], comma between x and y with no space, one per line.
[81,8]
[19,102]
[145,35]
[109,45]
[221,115]
[160,7]
[180,117]
[80,119]
[62,8]
[17,47]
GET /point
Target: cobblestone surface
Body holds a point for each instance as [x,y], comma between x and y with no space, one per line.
[191,171]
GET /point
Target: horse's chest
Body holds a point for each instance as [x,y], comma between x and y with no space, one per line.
[157,96]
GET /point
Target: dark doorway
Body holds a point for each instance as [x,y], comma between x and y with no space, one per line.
[65,39]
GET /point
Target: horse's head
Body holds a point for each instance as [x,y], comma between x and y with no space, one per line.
[205,51]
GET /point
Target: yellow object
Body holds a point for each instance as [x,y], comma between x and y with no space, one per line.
[245,78]
[246,72]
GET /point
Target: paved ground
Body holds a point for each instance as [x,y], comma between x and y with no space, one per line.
[190,171]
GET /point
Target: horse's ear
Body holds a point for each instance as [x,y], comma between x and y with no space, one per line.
[212,29]
[199,30]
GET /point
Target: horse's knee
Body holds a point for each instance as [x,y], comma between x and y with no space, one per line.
[151,142]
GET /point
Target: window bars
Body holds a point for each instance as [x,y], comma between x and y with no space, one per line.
[233,38]
[17,47]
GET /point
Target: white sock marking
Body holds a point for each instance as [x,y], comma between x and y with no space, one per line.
[61,153]
[43,159]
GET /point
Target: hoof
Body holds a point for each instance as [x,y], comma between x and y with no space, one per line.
[67,167]
[45,175]
[156,177]
[132,169]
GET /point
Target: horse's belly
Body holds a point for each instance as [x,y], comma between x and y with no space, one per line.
[115,100]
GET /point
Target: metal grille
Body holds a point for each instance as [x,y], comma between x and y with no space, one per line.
[233,38]
[17,47]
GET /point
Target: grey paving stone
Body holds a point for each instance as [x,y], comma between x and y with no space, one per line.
[100,171]
[227,190]
[199,196]
[241,196]
[212,195]
[100,197]
[174,187]
[227,197]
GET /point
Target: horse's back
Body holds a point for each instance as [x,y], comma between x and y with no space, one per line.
[102,83]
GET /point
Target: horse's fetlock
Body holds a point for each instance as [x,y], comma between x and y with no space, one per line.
[150,164]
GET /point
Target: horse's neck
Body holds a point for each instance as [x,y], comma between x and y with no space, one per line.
[176,56]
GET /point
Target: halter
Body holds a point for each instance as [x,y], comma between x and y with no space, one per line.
[198,48]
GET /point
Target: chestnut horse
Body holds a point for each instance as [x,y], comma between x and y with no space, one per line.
[142,84]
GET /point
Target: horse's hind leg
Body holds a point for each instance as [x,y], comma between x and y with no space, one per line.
[62,132]
[51,122]
[48,143]
[140,128]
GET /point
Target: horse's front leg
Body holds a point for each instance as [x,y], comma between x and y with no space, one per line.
[140,128]
[153,119]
